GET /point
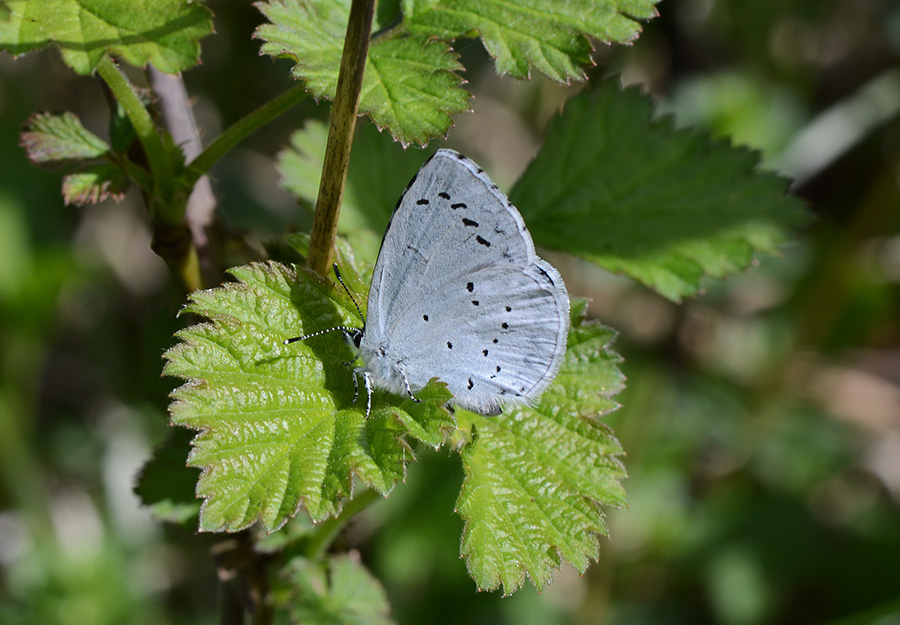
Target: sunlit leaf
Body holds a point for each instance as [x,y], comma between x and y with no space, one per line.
[538,477]
[162,32]
[278,427]
[550,36]
[409,84]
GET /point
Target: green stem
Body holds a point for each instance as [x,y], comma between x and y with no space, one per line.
[340,135]
[240,130]
[161,166]
[328,530]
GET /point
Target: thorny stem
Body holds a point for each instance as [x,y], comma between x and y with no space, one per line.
[340,135]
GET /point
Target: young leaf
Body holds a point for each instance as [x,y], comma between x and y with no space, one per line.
[379,170]
[166,484]
[162,32]
[636,196]
[54,140]
[409,85]
[548,35]
[279,429]
[536,478]
[94,184]
[338,592]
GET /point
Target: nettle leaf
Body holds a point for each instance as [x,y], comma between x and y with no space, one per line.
[548,35]
[537,478]
[339,591]
[664,206]
[54,140]
[166,484]
[162,32]
[95,183]
[409,84]
[278,427]
[379,168]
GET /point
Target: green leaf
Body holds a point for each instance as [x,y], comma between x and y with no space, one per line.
[162,32]
[54,140]
[379,171]
[548,35]
[537,478]
[409,84]
[166,484]
[666,207]
[278,426]
[338,592]
[94,184]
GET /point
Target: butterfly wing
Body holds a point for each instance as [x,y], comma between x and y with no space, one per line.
[458,293]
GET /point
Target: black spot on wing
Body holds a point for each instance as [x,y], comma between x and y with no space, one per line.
[471,384]
[449,345]
[470,287]
[483,241]
[475,302]
[469,222]
[422,202]
[458,205]
[444,195]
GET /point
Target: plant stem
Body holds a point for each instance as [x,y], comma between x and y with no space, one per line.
[328,530]
[340,135]
[160,164]
[240,130]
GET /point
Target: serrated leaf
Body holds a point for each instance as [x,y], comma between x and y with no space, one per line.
[279,429]
[162,32]
[93,184]
[338,592]
[409,84]
[54,140]
[166,484]
[666,207]
[537,478]
[379,170]
[548,35]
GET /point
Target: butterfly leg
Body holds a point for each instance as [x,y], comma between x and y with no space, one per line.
[368,381]
[355,383]
[408,390]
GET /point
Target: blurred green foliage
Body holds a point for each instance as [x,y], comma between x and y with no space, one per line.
[761,419]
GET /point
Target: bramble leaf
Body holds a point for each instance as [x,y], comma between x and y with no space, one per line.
[537,478]
[666,207]
[278,426]
[409,85]
[338,592]
[379,171]
[162,32]
[54,140]
[93,184]
[548,35]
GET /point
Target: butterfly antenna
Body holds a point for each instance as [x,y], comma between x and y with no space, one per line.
[345,330]
[353,299]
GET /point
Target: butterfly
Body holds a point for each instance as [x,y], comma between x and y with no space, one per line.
[459,294]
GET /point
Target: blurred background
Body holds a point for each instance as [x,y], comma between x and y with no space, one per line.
[761,420]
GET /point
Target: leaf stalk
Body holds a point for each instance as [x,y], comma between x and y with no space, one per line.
[340,135]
